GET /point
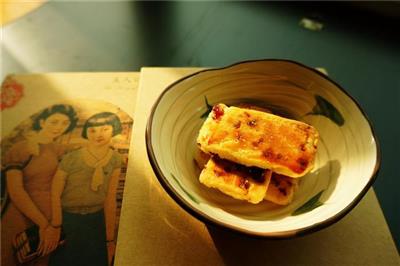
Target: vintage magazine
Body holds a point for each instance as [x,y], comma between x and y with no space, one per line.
[64,152]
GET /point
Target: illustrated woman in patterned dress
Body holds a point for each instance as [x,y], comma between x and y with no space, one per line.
[29,167]
[84,196]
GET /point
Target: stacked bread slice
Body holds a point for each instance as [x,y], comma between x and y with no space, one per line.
[255,155]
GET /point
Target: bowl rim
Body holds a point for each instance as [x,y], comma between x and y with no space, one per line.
[268,235]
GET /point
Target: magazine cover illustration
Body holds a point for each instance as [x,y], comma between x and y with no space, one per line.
[62,176]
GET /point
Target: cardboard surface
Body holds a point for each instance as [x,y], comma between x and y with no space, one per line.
[154,230]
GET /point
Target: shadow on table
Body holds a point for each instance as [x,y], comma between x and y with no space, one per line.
[361,238]
[237,249]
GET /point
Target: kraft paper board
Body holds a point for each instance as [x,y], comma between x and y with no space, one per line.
[154,230]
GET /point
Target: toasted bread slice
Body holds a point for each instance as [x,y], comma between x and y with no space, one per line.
[255,138]
[237,181]
[201,158]
[281,189]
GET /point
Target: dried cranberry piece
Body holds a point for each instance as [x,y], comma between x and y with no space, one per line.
[217,112]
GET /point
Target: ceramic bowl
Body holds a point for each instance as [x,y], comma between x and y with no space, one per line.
[346,163]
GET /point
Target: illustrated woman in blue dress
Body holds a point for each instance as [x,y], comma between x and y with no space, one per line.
[84,196]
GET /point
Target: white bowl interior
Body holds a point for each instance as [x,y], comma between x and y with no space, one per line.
[346,158]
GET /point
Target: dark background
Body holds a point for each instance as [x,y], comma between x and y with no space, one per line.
[359,46]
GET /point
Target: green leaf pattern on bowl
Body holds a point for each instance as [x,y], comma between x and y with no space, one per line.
[310,205]
[325,108]
[187,193]
[209,108]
